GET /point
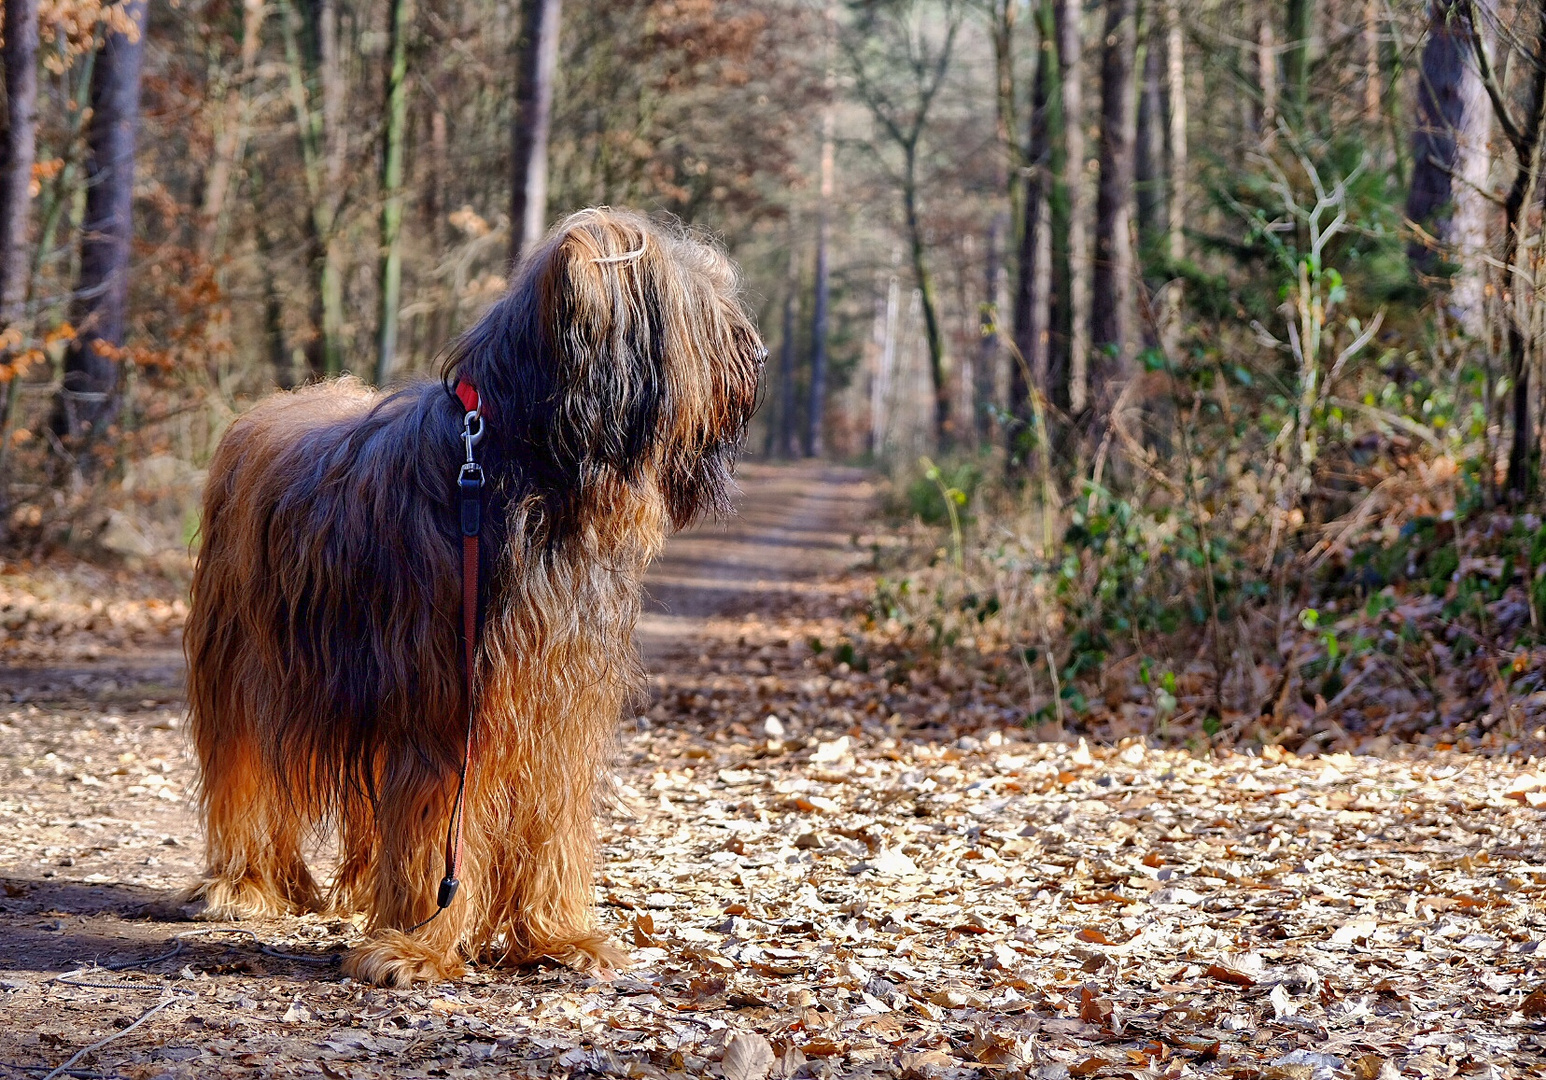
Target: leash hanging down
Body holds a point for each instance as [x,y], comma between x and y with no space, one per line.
[469,484]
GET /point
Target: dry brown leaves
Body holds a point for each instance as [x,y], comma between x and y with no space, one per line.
[826,872]
[69,611]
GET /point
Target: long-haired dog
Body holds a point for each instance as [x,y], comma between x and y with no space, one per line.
[326,676]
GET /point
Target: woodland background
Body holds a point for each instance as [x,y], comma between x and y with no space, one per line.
[1201,341]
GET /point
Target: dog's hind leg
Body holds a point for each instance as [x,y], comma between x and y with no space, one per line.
[254,835]
[400,890]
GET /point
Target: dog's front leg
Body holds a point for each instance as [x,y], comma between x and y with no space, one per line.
[539,817]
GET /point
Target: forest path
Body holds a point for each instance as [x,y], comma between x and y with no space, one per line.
[822,864]
[794,527]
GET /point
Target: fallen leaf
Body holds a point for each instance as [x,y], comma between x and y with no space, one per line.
[1229,975]
[1093,1009]
[1534,1003]
[748,1056]
[822,1048]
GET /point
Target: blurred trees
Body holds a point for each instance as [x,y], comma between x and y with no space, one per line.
[963,220]
[326,186]
[90,396]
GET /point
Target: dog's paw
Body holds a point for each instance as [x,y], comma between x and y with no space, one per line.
[593,954]
[392,958]
[219,899]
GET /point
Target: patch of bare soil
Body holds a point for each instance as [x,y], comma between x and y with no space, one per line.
[820,871]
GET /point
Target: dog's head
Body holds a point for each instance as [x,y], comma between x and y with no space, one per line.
[622,352]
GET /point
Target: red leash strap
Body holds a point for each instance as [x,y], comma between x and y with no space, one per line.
[470,488]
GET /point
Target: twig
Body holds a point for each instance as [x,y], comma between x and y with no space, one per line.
[146,1015]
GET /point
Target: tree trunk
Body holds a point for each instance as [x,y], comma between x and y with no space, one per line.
[1071,315]
[1111,288]
[1175,211]
[1007,126]
[885,366]
[1175,94]
[1149,179]
[322,160]
[536,63]
[18,151]
[392,153]
[788,358]
[90,399]
[984,392]
[1528,144]
[231,137]
[933,331]
[1267,80]
[1296,57]
[816,412]
[1046,160]
[330,75]
[1450,159]
[1372,79]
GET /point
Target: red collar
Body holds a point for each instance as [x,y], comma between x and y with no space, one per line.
[468,395]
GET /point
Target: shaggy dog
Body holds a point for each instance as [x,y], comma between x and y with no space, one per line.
[327,682]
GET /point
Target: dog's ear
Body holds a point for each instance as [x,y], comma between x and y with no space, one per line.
[620,346]
[569,362]
[604,286]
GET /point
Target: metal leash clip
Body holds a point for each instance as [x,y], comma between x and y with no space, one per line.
[472,435]
[470,480]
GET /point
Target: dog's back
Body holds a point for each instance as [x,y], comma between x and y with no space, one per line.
[328,551]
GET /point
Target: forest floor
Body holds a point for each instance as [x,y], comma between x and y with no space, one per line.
[817,873]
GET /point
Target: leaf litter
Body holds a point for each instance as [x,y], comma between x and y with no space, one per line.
[821,874]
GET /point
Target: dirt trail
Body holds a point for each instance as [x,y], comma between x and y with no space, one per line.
[795,526]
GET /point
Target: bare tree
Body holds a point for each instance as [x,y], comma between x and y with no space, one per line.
[1149,178]
[1002,17]
[90,398]
[233,122]
[1266,79]
[1111,293]
[1526,138]
[536,62]
[1042,172]
[816,411]
[393,149]
[898,72]
[18,151]
[984,390]
[1450,159]
[1069,318]
[788,355]
[1300,19]
[1176,147]
[316,88]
